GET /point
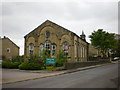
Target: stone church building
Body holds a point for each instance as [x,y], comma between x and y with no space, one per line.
[54,38]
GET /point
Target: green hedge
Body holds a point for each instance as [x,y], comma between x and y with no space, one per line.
[11,65]
[30,66]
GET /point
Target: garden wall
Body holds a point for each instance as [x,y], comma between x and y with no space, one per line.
[84,64]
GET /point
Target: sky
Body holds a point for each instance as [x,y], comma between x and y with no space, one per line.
[19,17]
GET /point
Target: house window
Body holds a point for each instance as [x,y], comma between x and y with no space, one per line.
[41,49]
[8,50]
[31,48]
[83,52]
[79,50]
[75,50]
[53,49]
[65,48]
[47,46]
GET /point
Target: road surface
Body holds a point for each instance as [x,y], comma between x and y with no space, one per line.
[101,77]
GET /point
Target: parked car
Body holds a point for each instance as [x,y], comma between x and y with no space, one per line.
[1,61]
[116,58]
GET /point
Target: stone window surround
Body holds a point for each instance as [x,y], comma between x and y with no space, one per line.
[50,47]
[31,48]
[53,50]
[47,34]
[8,50]
[41,49]
[47,44]
[65,51]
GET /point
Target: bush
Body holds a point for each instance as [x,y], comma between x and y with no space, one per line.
[30,66]
[11,65]
[35,59]
[61,59]
[18,58]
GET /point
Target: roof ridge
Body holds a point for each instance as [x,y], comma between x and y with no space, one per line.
[11,41]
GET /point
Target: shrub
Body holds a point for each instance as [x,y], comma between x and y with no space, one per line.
[18,58]
[36,62]
[36,59]
[61,59]
[45,54]
[11,65]
[30,66]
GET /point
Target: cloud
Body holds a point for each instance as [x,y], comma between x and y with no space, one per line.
[18,19]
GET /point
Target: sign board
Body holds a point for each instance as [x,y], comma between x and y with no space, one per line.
[66,47]
[50,60]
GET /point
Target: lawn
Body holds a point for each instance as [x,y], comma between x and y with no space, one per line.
[49,68]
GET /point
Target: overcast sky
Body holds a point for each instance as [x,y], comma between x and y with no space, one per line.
[19,18]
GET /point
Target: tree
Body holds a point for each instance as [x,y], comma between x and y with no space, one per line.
[103,41]
[40,59]
[61,58]
[116,50]
[18,58]
[45,54]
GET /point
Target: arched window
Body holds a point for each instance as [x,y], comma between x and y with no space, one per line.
[75,50]
[65,47]
[41,49]
[53,49]
[31,48]
[47,45]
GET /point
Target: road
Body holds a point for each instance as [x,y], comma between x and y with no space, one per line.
[101,77]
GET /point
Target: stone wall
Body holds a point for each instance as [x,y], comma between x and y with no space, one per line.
[83,64]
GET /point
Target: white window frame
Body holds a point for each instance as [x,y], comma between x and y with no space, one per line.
[66,52]
[83,52]
[47,45]
[41,49]
[79,50]
[75,48]
[53,49]
[31,49]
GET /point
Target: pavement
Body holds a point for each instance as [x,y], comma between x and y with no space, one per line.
[16,75]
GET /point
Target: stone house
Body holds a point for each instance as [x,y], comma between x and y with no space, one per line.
[54,37]
[8,48]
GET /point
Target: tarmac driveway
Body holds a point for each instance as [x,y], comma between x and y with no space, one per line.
[105,76]
[14,75]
